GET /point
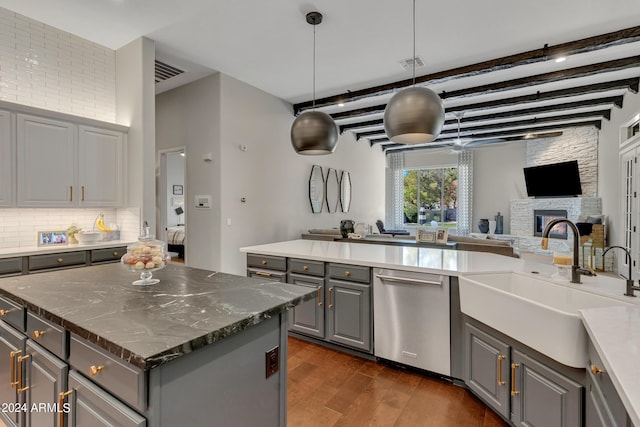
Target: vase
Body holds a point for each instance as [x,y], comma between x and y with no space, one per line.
[492,227]
[483,225]
[499,224]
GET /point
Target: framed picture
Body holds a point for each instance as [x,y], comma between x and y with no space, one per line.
[442,234]
[425,236]
[52,238]
[177,190]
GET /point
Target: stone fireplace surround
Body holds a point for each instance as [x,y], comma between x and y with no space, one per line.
[522,220]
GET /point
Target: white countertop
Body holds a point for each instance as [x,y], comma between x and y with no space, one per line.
[615,331]
[615,334]
[41,250]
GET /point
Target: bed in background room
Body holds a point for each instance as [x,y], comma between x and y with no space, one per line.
[175,239]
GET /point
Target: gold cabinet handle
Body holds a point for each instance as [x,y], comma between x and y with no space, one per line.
[319,297]
[305,268]
[60,260]
[116,253]
[38,334]
[61,397]
[263,273]
[83,193]
[347,273]
[71,193]
[330,303]
[513,379]
[94,370]
[595,370]
[12,361]
[264,262]
[21,386]
[5,312]
[500,359]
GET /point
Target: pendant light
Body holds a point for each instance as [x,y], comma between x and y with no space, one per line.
[414,115]
[314,132]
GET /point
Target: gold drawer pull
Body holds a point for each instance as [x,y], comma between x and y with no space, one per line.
[513,379]
[12,361]
[38,334]
[116,253]
[71,193]
[263,273]
[347,273]
[330,303]
[93,370]
[60,259]
[21,386]
[83,193]
[5,312]
[305,268]
[264,262]
[595,370]
[319,296]
[500,359]
[61,397]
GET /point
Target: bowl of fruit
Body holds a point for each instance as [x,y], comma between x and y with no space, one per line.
[144,257]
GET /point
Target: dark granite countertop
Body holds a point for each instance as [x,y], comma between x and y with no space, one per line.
[151,325]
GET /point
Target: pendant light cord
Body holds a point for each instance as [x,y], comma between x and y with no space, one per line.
[313,107]
[413,59]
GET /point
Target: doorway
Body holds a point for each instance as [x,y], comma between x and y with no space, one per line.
[171,197]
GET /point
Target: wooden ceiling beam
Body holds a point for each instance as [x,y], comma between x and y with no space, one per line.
[386,147]
[536,129]
[631,84]
[568,106]
[589,44]
[503,125]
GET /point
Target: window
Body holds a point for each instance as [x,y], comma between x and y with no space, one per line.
[430,195]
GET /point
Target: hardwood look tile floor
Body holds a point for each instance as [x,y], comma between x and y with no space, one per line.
[330,388]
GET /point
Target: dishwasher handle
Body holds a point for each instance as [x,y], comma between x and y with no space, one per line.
[408,280]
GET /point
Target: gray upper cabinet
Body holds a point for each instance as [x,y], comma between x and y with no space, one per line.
[47,158]
[7,160]
[487,368]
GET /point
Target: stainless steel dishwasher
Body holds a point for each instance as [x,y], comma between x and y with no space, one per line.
[411,319]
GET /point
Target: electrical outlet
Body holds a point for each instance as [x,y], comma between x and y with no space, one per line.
[272,361]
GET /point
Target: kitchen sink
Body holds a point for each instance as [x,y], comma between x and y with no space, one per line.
[537,312]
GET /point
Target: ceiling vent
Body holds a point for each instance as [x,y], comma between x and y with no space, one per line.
[407,64]
[165,71]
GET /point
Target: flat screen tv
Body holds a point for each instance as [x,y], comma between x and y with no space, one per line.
[553,180]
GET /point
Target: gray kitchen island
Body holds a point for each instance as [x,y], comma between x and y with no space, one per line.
[199,348]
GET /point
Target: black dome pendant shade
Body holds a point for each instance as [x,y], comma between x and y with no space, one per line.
[314,132]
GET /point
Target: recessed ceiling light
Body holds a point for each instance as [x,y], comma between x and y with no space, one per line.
[340,104]
[561,59]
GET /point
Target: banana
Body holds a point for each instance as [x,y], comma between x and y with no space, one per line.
[100,224]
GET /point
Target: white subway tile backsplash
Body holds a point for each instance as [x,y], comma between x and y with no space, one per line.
[47,58]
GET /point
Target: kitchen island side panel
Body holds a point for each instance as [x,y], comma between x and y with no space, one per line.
[227,378]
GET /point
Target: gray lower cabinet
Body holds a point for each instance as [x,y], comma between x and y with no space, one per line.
[542,396]
[11,347]
[10,266]
[267,267]
[520,385]
[92,407]
[308,318]
[487,368]
[349,314]
[45,377]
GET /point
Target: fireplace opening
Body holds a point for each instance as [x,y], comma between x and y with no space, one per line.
[542,217]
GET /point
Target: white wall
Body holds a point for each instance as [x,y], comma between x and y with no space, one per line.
[497,179]
[609,184]
[190,116]
[175,176]
[219,114]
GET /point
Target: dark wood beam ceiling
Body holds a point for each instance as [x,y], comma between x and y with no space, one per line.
[545,53]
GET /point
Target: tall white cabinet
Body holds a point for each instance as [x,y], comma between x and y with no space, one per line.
[64,163]
[629,196]
[7,165]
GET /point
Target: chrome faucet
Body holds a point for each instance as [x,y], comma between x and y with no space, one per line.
[576,271]
[630,287]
